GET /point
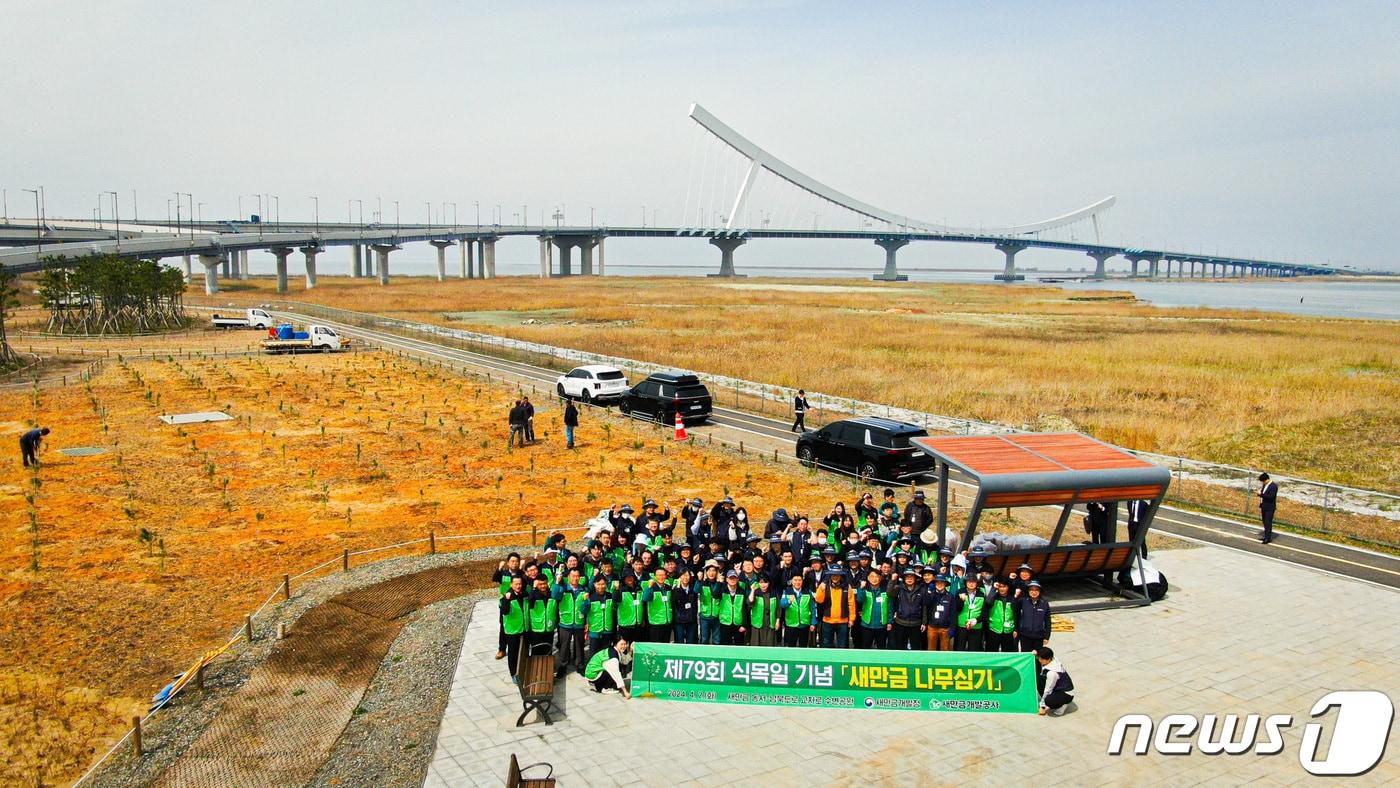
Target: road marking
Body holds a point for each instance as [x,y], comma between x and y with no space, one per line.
[1284,547]
[1284,561]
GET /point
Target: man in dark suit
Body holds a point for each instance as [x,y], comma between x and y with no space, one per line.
[1137,513]
[799,409]
[1268,502]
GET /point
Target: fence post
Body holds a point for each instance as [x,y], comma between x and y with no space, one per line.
[286,586]
[248,627]
[534,534]
[345,561]
[1326,504]
[136,737]
[741,447]
[432,543]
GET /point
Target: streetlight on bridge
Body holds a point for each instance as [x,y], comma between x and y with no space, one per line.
[316,213]
[477,203]
[430,214]
[454,213]
[396,215]
[38,219]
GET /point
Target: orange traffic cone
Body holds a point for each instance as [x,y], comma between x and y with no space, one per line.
[680,428]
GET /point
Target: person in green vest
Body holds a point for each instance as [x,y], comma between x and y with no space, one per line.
[569,598]
[608,669]
[799,614]
[656,598]
[873,618]
[609,576]
[548,565]
[1001,618]
[513,621]
[599,615]
[971,615]
[731,611]
[541,619]
[630,624]
[709,591]
[763,614]
[505,570]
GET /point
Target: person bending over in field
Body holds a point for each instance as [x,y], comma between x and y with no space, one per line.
[29,445]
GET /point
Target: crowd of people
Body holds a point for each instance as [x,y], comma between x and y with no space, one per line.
[870,578]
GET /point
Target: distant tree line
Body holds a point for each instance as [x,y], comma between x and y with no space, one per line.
[107,294]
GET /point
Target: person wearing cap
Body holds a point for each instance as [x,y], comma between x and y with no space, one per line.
[873,612]
[866,559]
[1268,504]
[836,606]
[513,622]
[600,615]
[977,561]
[907,633]
[830,559]
[777,526]
[926,546]
[720,515]
[690,511]
[608,669]
[708,591]
[505,572]
[702,531]
[763,614]
[541,618]
[656,599]
[939,607]
[1001,618]
[683,605]
[971,616]
[1023,576]
[1032,618]
[569,598]
[623,523]
[813,573]
[653,512]
[732,625]
[799,611]
[944,566]
[917,514]
[853,564]
[631,622]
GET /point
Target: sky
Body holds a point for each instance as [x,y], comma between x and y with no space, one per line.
[1258,129]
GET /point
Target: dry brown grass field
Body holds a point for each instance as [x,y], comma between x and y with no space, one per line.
[1313,397]
[151,553]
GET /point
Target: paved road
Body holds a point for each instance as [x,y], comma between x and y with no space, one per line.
[1367,565]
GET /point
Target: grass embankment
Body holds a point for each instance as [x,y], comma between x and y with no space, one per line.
[152,552]
[1312,397]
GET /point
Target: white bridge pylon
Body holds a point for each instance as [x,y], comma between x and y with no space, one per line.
[760,159]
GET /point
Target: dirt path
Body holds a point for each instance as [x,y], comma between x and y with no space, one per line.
[284,721]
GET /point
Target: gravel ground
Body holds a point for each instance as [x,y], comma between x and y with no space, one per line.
[423,685]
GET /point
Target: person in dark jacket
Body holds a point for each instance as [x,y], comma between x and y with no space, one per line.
[684,599]
[1033,620]
[529,419]
[570,423]
[1137,517]
[1053,683]
[908,631]
[799,411]
[1268,502]
[917,514]
[517,425]
[939,611]
[778,525]
[29,445]
[1096,522]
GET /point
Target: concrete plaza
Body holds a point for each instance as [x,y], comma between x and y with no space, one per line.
[1239,634]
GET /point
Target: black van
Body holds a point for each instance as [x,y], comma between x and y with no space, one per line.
[662,394]
[873,448]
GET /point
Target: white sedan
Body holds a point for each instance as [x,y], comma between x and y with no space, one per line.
[592,383]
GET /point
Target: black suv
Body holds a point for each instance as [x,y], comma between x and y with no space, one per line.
[873,448]
[662,394]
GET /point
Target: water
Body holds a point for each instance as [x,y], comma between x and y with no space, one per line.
[1363,299]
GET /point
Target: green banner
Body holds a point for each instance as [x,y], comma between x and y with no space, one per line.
[836,678]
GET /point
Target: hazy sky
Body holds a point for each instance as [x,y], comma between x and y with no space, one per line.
[1266,129]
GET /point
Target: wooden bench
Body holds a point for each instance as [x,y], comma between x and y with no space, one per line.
[516,780]
[536,680]
[1065,560]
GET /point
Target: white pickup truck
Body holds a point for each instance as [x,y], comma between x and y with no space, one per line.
[322,338]
[251,318]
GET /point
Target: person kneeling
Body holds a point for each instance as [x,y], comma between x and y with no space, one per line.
[1054,683]
[608,670]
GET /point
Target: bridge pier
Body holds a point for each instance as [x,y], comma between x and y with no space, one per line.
[1100,270]
[565,247]
[726,248]
[310,252]
[585,257]
[1010,249]
[189,270]
[281,253]
[227,263]
[243,264]
[891,272]
[355,261]
[488,258]
[441,247]
[462,248]
[382,252]
[211,263]
[601,238]
[1152,267]
[544,257]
